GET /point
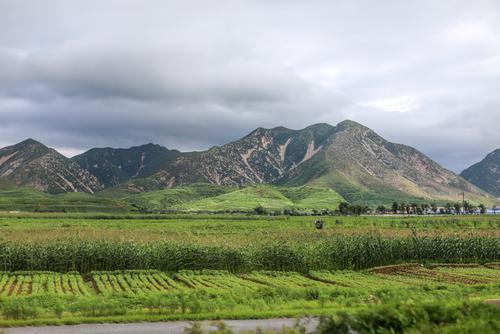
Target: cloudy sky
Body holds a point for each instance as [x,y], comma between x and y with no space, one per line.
[192,74]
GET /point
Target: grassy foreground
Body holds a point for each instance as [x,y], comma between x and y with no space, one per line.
[127,296]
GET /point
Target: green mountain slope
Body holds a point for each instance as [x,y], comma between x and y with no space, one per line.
[26,199]
[486,173]
[206,197]
[171,199]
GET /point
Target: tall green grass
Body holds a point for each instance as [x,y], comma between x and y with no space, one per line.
[338,252]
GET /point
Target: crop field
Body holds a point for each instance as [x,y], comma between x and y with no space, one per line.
[240,243]
[237,229]
[77,268]
[49,297]
[41,283]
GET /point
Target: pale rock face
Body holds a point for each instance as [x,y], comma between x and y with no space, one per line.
[282,149]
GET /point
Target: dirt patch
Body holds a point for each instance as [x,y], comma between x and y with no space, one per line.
[454,265]
[395,268]
[418,271]
[494,302]
[493,265]
[12,287]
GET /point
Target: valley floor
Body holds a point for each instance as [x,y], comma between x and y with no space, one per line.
[31,298]
[67,269]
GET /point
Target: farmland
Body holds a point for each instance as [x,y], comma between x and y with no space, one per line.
[48,297]
[71,268]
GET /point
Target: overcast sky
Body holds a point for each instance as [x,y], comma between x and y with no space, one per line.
[192,74]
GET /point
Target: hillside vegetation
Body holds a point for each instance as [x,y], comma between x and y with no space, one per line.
[206,197]
[14,198]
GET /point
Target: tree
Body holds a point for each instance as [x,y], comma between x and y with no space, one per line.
[467,206]
[434,207]
[494,208]
[482,208]
[457,207]
[344,208]
[381,209]
[260,210]
[395,207]
[402,207]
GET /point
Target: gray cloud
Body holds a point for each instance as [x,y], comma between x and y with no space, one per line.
[195,74]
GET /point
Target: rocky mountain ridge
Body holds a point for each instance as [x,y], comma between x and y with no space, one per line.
[486,173]
[349,158]
[30,163]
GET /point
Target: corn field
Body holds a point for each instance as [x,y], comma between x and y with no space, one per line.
[338,252]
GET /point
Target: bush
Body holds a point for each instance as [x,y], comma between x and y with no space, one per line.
[18,308]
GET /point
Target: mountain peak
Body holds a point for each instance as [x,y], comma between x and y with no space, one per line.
[349,124]
[29,141]
[30,163]
[495,153]
[319,127]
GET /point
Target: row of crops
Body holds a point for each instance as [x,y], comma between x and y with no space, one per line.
[333,253]
[41,283]
[36,297]
[145,282]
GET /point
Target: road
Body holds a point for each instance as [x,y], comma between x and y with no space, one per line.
[174,327]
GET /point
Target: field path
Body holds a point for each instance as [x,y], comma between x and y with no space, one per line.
[174,327]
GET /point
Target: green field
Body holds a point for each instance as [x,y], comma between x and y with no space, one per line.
[137,295]
[239,242]
[100,267]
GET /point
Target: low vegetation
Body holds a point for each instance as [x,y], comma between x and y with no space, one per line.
[66,268]
[29,200]
[354,299]
[211,198]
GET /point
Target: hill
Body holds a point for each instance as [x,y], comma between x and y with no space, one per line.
[27,199]
[486,173]
[30,163]
[213,198]
[172,199]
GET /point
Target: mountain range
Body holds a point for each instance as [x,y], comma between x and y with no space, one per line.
[349,158]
